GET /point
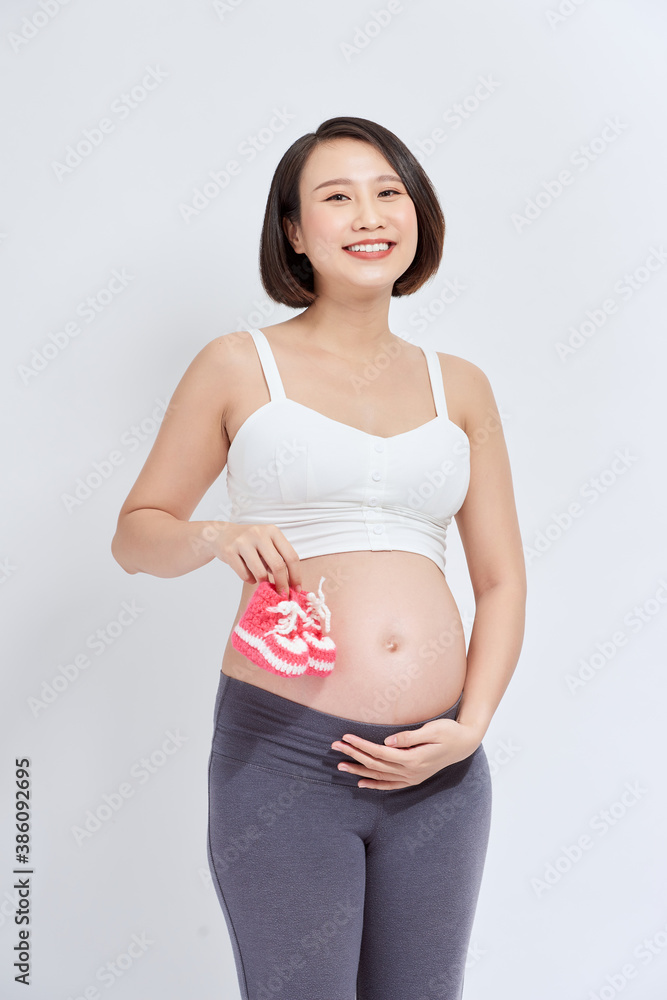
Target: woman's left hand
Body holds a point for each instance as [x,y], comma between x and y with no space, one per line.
[417,754]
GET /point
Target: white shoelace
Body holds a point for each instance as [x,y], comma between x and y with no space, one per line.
[319,608]
[290,610]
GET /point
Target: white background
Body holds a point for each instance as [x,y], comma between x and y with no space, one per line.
[556,83]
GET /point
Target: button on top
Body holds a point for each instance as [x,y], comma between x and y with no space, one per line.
[378,528]
[372,501]
[375,475]
[379,446]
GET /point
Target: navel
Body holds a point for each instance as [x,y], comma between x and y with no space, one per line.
[391,643]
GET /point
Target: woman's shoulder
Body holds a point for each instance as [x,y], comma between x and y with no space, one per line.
[227,350]
[461,367]
[228,344]
[467,388]
[218,367]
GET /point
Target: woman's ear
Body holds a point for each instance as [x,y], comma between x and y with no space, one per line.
[291,231]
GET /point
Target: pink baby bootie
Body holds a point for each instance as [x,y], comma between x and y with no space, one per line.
[314,629]
[268,632]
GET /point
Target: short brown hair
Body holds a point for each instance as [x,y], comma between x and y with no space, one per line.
[287,276]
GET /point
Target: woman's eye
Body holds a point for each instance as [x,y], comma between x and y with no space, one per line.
[386,191]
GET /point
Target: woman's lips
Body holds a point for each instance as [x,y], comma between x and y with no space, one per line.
[370,254]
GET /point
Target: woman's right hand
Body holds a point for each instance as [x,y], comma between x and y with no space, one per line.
[256,552]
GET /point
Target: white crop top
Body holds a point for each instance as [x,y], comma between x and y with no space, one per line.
[331,487]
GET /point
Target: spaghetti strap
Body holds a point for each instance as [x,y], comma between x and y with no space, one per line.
[437,384]
[268,363]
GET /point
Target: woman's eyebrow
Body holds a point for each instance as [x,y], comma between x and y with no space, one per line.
[346,180]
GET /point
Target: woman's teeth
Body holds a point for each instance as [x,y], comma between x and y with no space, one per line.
[368,247]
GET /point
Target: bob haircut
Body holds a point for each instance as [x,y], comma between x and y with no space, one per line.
[287,276]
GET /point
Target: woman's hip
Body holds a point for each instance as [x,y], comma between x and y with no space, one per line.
[265,730]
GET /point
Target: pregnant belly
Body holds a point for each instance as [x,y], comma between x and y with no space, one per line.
[400,646]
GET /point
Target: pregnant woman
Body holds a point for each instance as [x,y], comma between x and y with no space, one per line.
[349,791]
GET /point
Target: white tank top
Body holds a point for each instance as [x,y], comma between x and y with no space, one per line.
[331,487]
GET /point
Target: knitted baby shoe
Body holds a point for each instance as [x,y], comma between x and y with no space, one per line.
[268,632]
[322,648]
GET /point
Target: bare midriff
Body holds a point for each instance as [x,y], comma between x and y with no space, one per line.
[400,645]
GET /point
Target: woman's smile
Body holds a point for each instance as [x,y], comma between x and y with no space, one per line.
[370,249]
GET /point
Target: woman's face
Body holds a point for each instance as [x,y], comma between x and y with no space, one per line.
[367,202]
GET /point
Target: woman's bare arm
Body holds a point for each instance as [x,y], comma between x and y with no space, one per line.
[154,534]
[489,529]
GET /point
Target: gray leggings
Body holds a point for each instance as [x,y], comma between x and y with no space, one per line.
[328,888]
